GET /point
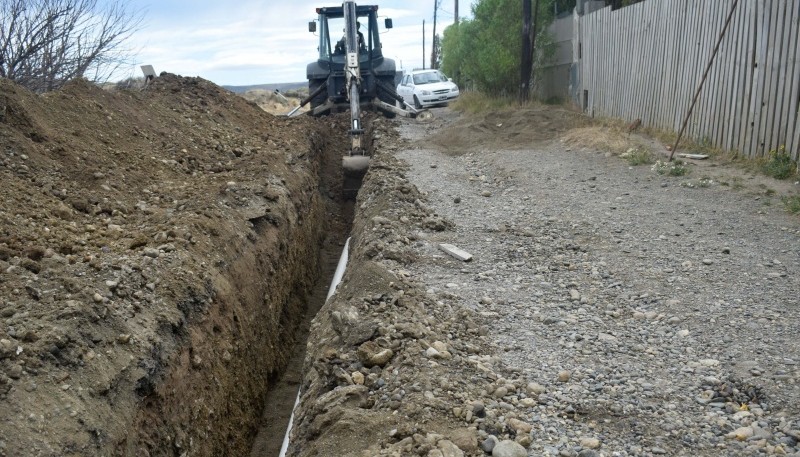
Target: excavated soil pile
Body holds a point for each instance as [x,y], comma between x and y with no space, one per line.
[507,129]
[155,252]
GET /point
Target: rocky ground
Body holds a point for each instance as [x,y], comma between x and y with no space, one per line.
[156,249]
[606,310]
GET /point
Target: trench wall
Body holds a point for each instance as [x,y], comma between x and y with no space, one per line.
[212,395]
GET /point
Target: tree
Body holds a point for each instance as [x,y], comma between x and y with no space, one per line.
[617,4]
[45,43]
[486,49]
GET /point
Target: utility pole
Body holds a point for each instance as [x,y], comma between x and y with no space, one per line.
[455,13]
[535,21]
[424,55]
[434,50]
[526,63]
[528,47]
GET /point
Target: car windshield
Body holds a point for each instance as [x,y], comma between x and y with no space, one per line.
[429,77]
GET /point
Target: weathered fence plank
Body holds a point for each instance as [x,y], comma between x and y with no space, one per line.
[744,126]
[735,70]
[646,60]
[773,64]
[793,119]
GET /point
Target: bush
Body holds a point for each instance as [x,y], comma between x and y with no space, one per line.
[46,43]
[637,156]
[779,165]
[485,50]
[670,168]
[792,204]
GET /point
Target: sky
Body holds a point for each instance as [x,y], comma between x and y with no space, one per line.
[259,42]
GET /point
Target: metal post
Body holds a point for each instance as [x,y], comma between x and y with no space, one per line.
[424,56]
[433,42]
[703,80]
[525,58]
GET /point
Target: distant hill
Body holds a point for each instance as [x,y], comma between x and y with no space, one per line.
[283,87]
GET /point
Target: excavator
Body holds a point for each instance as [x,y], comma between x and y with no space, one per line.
[352,74]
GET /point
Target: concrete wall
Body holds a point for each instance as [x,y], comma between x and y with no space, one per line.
[554,81]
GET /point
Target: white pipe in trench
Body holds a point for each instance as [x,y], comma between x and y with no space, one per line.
[337,278]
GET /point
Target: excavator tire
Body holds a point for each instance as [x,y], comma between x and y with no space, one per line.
[388,81]
[313,84]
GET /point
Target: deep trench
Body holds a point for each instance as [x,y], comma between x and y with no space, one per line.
[284,385]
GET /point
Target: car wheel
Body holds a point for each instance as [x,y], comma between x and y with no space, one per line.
[417,104]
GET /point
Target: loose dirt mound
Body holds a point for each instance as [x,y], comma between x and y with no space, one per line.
[510,129]
[153,244]
[273,103]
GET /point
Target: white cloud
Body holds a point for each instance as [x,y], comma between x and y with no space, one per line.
[260,42]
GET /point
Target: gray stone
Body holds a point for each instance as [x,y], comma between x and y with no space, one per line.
[465,439]
[15,371]
[489,443]
[508,448]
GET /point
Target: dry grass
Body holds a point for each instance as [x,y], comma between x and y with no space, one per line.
[474,102]
[601,138]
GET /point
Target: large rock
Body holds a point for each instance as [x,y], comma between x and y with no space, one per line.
[371,354]
[449,449]
[508,448]
[465,439]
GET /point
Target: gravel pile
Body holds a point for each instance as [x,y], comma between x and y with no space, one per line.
[633,314]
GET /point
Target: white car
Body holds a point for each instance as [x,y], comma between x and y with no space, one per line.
[423,88]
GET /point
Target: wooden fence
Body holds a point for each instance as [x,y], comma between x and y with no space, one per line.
[645,61]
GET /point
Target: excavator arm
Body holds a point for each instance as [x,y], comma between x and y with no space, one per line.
[356,158]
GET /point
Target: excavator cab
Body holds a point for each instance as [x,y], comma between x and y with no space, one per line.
[330,67]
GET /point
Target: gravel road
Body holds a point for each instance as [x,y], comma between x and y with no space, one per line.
[650,315]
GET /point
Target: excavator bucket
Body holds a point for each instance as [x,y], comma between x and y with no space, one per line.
[354,167]
[355,164]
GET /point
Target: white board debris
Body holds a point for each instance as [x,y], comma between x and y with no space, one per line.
[458,253]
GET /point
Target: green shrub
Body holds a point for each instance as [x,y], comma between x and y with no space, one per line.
[779,164]
[792,204]
[637,156]
[670,168]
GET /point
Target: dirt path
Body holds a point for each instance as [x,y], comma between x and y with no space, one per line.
[606,310]
[649,314]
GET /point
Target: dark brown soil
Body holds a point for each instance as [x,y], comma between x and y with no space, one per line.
[156,249]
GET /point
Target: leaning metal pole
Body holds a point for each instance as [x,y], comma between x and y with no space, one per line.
[703,80]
